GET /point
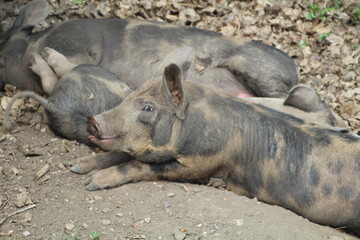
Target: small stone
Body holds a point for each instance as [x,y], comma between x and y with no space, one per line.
[26,233]
[85,225]
[147,220]
[120,214]
[105,222]
[69,226]
[97,198]
[179,235]
[22,199]
[106,210]
[170,194]
[239,222]
[166,205]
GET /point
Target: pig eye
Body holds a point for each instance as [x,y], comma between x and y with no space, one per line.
[148,108]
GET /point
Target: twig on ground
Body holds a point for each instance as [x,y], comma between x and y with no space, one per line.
[17,212]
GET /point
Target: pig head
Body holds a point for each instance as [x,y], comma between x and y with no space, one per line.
[178,131]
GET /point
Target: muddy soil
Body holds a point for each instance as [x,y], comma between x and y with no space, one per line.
[41,199]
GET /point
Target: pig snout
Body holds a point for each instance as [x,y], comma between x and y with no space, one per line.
[93,127]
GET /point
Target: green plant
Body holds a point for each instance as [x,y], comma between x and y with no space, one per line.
[303,44]
[323,36]
[354,47]
[316,13]
[72,235]
[338,3]
[357,13]
[78,2]
[95,235]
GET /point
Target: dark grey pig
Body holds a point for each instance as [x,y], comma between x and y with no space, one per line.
[136,48]
[175,130]
[80,91]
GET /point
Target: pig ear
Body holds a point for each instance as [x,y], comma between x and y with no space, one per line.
[304,98]
[31,14]
[173,89]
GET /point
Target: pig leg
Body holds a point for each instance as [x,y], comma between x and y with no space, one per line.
[57,61]
[99,161]
[44,71]
[135,171]
[264,70]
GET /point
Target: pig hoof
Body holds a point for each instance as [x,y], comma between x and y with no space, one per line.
[37,62]
[91,187]
[52,56]
[77,169]
[87,181]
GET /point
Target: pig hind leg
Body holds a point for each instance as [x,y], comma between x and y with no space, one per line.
[45,72]
[264,70]
[57,61]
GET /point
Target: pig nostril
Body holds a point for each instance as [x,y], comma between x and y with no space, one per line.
[93,127]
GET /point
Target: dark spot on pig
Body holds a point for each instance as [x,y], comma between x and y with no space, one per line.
[326,190]
[277,187]
[314,176]
[204,61]
[252,180]
[156,156]
[272,150]
[159,168]
[345,193]
[162,129]
[197,93]
[324,134]
[124,168]
[196,138]
[335,167]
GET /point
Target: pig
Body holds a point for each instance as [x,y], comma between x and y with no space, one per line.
[69,105]
[175,130]
[135,49]
[75,92]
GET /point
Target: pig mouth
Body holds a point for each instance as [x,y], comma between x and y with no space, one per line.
[95,132]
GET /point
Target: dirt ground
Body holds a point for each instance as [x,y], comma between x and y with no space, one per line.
[50,202]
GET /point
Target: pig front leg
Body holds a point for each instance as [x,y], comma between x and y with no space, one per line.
[57,61]
[135,171]
[44,71]
[99,161]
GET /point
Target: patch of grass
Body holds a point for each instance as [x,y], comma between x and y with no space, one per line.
[354,47]
[72,235]
[75,234]
[95,235]
[323,36]
[338,4]
[318,13]
[357,13]
[77,2]
[303,44]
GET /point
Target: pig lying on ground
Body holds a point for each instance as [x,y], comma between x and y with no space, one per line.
[81,91]
[87,90]
[172,130]
[134,49]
